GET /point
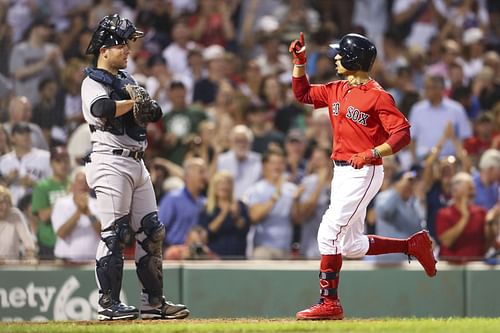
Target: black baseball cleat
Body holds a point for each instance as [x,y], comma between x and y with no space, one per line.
[167,310]
[118,311]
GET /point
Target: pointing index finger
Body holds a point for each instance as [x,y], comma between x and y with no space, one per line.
[302,38]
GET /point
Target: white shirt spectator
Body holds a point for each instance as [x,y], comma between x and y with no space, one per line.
[246,173]
[35,164]
[282,66]
[364,12]
[176,58]
[14,231]
[37,138]
[422,29]
[81,243]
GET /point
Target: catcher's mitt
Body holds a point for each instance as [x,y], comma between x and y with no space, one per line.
[145,109]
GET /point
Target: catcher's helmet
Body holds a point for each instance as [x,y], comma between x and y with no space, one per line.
[112,30]
[358,52]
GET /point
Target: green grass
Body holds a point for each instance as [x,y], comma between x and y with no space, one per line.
[386,325]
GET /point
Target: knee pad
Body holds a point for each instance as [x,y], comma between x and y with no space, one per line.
[155,233]
[120,229]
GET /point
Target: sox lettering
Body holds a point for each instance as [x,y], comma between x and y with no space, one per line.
[352,114]
[356,115]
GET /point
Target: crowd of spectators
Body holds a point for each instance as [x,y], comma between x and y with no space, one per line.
[240,169]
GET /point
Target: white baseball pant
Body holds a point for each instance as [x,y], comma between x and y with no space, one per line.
[342,228]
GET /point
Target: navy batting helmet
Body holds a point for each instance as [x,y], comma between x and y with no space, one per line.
[358,52]
[112,30]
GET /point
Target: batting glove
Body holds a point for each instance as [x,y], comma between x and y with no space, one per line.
[359,160]
[298,50]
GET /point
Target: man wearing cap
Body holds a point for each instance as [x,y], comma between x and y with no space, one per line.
[206,89]
[45,194]
[115,170]
[24,165]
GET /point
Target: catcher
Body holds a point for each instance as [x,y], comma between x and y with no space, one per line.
[117,111]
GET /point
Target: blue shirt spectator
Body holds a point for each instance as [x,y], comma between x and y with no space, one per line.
[275,229]
[319,191]
[399,214]
[486,195]
[315,201]
[179,210]
[225,218]
[486,180]
[274,208]
[429,118]
[429,121]
[229,241]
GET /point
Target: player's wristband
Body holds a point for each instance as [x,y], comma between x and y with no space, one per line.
[301,65]
[376,153]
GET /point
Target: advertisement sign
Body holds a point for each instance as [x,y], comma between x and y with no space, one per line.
[60,294]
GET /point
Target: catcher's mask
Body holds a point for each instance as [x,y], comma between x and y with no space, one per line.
[113,30]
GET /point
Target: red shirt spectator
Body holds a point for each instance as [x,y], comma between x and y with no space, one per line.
[470,244]
[462,228]
[483,136]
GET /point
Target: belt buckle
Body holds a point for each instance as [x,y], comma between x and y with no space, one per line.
[136,155]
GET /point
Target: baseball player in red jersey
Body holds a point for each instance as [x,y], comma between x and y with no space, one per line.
[366,126]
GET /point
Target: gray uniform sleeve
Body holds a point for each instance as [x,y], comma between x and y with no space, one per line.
[91,92]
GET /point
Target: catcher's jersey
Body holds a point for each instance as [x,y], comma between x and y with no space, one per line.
[104,140]
[362,117]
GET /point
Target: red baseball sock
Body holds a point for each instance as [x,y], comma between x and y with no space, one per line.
[329,275]
[383,245]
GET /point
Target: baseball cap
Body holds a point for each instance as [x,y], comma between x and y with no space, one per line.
[268,24]
[213,52]
[58,153]
[21,127]
[472,35]
[41,22]
[255,106]
[408,174]
[295,135]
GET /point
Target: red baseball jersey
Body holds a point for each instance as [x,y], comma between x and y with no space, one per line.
[362,117]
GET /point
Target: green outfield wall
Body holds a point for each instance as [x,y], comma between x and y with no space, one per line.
[258,289]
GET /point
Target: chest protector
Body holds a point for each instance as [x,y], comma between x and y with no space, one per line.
[124,124]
